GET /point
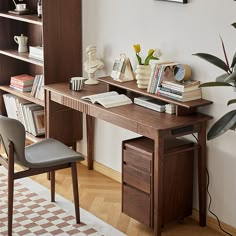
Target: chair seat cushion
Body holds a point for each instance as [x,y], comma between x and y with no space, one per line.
[50,152]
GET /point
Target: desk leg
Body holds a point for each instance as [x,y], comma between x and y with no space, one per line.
[202,174]
[158,185]
[90,140]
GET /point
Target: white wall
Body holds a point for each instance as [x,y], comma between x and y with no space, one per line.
[179,30]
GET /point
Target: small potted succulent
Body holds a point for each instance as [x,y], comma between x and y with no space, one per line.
[228,79]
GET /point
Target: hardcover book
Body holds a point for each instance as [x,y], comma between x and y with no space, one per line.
[23,79]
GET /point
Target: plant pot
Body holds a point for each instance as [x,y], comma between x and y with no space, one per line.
[143,73]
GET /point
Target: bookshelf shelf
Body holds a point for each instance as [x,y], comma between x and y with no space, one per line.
[33,19]
[25,95]
[21,56]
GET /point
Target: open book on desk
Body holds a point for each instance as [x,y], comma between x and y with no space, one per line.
[108,99]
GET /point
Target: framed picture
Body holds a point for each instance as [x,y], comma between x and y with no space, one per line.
[179,1]
[38,119]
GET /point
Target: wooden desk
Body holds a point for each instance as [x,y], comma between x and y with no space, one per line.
[154,125]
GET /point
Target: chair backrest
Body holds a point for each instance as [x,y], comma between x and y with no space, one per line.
[13,130]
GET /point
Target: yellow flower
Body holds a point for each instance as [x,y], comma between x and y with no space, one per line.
[149,57]
[151,51]
[137,48]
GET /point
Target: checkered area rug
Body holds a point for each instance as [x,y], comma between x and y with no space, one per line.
[35,215]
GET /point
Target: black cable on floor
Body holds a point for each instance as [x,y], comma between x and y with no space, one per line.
[209,205]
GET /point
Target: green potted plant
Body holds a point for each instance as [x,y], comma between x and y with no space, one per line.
[228,79]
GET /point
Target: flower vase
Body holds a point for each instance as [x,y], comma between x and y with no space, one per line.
[143,73]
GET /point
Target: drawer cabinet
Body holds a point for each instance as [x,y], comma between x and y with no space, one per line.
[137,179]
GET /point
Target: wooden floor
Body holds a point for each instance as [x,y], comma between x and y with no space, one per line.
[101,196]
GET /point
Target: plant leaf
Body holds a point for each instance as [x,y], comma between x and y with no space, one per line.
[222,77]
[226,122]
[234,25]
[233,61]
[139,59]
[214,84]
[231,78]
[213,60]
[231,102]
[225,54]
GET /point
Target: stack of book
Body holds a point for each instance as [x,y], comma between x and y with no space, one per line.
[150,103]
[29,114]
[36,52]
[162,82]
[22,82]
[38,87]
[184,92]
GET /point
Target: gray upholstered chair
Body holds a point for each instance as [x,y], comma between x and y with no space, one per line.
[42,157]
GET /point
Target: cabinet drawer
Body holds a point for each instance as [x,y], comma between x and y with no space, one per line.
[139,161]
[136,204]
[137,179]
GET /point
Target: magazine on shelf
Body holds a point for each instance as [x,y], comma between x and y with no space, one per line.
[108,99]
[151,103]
[155,77]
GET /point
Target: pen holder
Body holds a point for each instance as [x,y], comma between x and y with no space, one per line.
[77,83]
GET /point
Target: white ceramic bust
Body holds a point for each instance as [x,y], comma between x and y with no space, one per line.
[92,64]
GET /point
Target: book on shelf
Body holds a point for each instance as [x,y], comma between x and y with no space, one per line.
[22,80]
[28,111]
[21,89]
[10,106]
[22,83]
[184,97]
[29,114]
[185,86]
[108,99]
[36,52]
[160,72]
[19,103]
[36,119]
[151,103]
[39,93]
[38,87]
[185,94]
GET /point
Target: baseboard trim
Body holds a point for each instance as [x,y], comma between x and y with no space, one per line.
[213,223]
[115,175]
[107,171]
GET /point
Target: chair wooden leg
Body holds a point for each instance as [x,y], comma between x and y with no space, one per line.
[10,203]
[10,187]
[75,191]
[48,175]
[52,180]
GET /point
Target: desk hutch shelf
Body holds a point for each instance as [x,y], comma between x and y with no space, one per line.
[62,49]
[130,88]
